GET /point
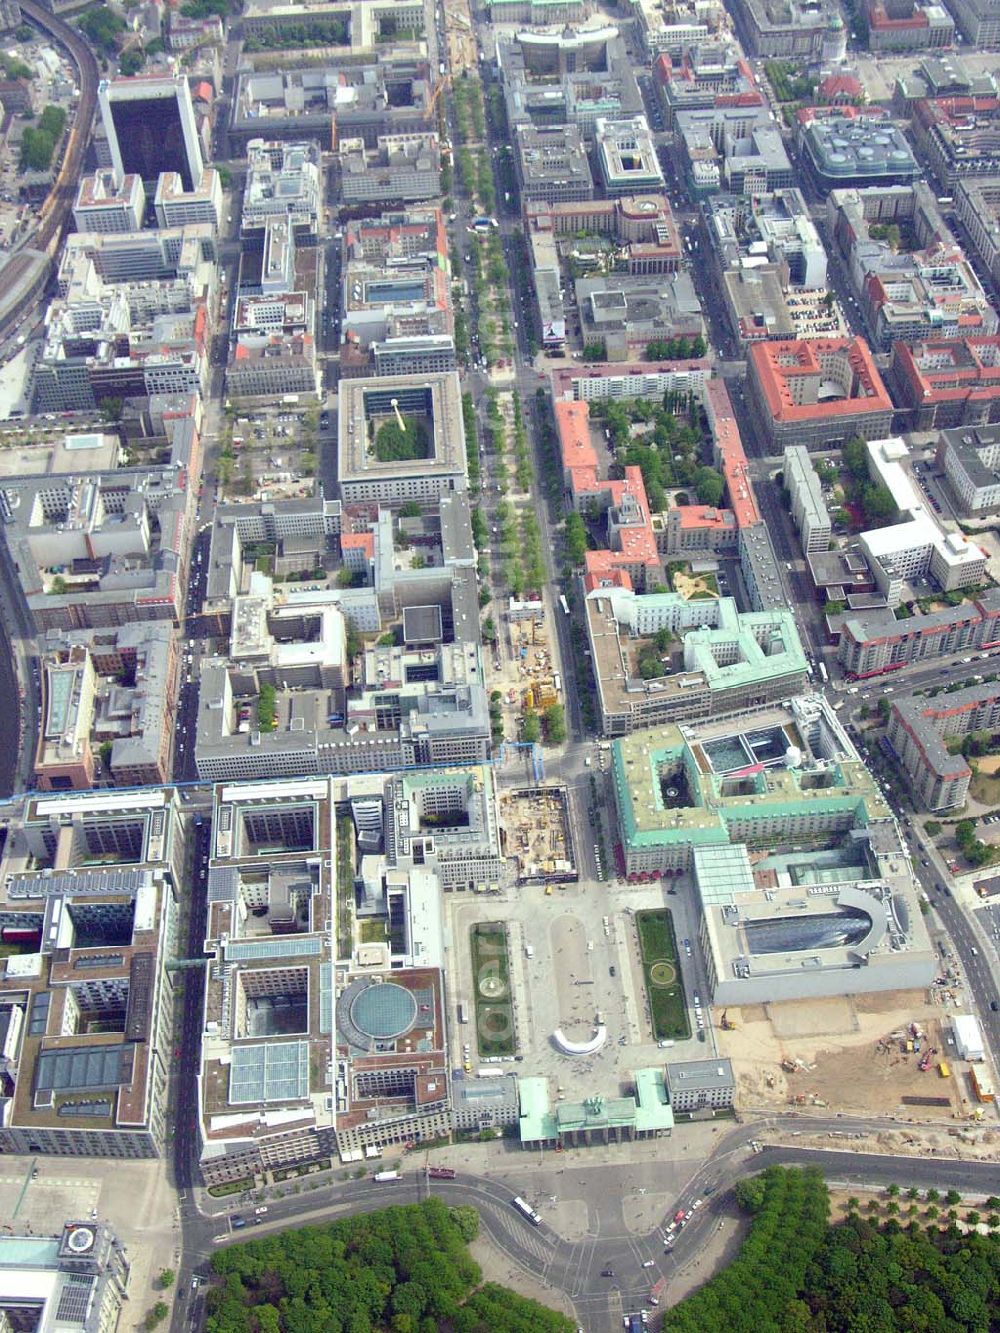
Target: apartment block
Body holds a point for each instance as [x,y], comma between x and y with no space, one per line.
[956,137]
[808,505]
[100,550]
[970,458]
[114,691]
[920,731]
[977,205]
[177,206]
[90,887]
[916,545]
[875,642]
[978,21]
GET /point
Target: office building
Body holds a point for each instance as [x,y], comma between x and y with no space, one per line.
[852,147]
[948,381]
[709,73]
[733,148]
[626,157]
[176,206]
[115,688]
[809,511]
[397,310]
[875,642]
[905,25]
[403,168]
[916,545]
[320,23]
[150,127]
[626,314]
[434,465]
[789,29]
[783,391]
[316,1043]
[106,203]
[957,138]
[922,732]
[643,227]
[717,798]
[356,98]
[701,1085]
[92,880]
[480,1104]
[970,459]
[977,206]
[283,183]
[720,662]
[75,1281]
[551,164]
[978,21]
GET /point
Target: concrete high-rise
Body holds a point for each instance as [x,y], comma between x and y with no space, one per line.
[150,126]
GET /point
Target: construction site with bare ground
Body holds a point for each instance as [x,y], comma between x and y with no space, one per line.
[535,828]
[890,1055]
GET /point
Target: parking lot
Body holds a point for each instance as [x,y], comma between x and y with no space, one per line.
[133,1198]
[272,455]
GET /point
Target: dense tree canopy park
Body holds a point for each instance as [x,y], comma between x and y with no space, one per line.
[797,1273]
[400,1270]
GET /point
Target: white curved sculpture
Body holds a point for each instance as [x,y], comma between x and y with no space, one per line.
[581,1047]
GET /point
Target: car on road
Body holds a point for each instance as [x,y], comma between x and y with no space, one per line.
[994,1006]
[607,1272]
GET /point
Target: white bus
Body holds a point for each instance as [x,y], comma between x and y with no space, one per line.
[526,1210]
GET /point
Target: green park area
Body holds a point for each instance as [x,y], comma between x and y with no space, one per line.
[662,974]
[404,1267]
[397,442]
[491,981]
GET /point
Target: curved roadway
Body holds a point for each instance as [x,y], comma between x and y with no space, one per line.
[573,1267]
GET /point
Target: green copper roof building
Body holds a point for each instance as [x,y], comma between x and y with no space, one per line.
[785,772]
[716,661]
